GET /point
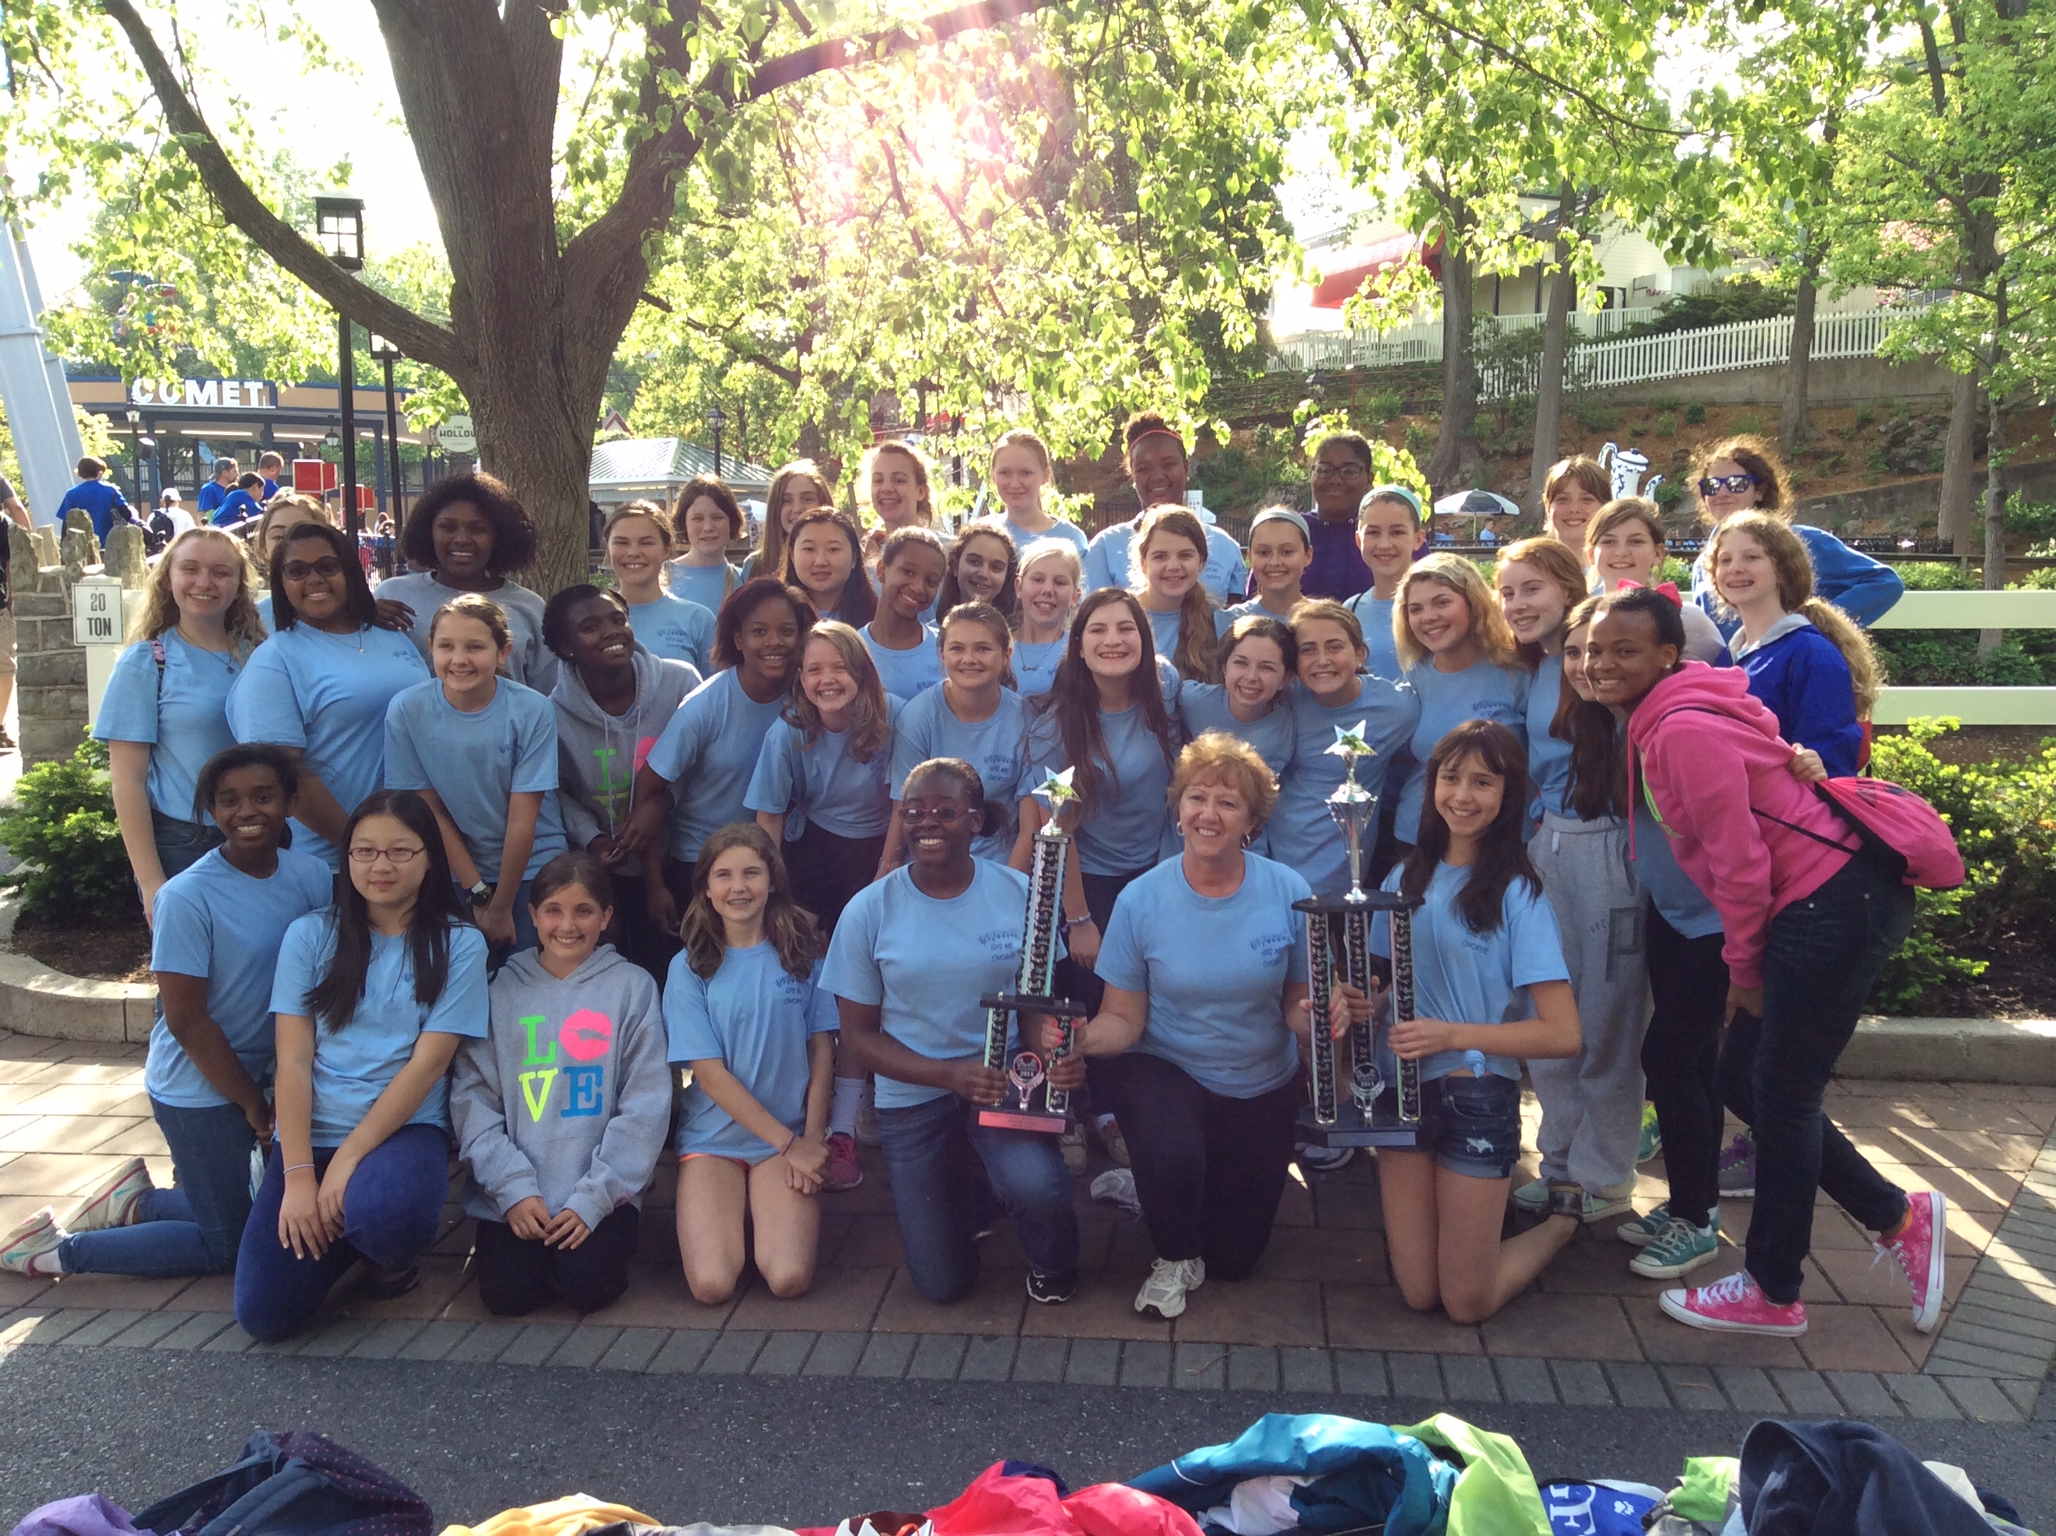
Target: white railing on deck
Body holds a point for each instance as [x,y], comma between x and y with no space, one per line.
[2017,609]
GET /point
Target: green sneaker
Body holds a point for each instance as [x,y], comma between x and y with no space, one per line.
[1533,1197]
[1652,1135]
[1644,1230]
[1677,1250]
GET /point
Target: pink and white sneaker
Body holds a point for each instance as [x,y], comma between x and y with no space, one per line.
[31,1248]
[1919,1253]
[113,1201]
[1734,1304]
[842,1172]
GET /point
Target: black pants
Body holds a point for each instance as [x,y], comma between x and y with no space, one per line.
[1209,1170]
[1680,1058]
[1081,984]
[635,935]
[517,1275]
[828,869]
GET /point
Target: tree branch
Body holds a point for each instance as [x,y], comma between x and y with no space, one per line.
[843,52]
[420,338]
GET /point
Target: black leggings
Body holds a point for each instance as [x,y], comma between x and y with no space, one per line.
[828,869]
[1680,1054]
[1209,1170]
[1082,985]
[517,1275]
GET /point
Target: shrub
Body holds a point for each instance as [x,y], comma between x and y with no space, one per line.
[1596,415]
[1666,424]
[1935,576]
[1865,415]
[74,868]
[1695,414]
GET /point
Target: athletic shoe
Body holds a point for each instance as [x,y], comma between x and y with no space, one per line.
[1608,1200]
[113,1201]
[1163,1293]
[1738,1167]
[1325,1159]
[1110,1137]
[1646,1229]
[1677,1250]
[1072,1144]
[1568,1199]
[842,1171]
[1533,1197]
[867,1123]
[1117,1187]
[382,1284]
[1919,1252]
[1050,1290]
[31,1248]
[1734,1304]
[1652,1135]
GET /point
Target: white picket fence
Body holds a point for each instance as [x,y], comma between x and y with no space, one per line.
[1421,342]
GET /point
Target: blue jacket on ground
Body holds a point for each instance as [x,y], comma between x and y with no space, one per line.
[1861,587]
[1802,678]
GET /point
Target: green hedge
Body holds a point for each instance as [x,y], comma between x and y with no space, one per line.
[62,828]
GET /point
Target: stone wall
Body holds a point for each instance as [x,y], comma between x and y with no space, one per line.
[50,681]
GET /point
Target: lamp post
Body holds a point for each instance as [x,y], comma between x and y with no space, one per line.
[388,354]
[716,420]
[339,222]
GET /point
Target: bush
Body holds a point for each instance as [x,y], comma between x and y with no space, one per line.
[74,868]
[1722,302]
[1936,576]
[1695,414]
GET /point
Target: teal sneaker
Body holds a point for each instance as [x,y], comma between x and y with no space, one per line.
[1644,1230]
[1533,1197]
[1678,1249]
[1651,1144]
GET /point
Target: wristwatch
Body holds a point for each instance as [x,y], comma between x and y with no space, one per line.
[481,893]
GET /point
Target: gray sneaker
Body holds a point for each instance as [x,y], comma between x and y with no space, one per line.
[1163,1293]
[1738,1167]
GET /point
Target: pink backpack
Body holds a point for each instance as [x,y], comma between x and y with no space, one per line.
[1899,832]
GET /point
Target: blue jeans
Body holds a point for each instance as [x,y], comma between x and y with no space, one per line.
[1822,957]
[193,1227]
[943,1193]
[390,1213]
[181,844]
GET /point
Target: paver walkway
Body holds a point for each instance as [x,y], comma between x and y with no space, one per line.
[1321,1313]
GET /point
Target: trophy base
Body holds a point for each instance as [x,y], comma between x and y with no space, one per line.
[1351,1127]
[1002,1118]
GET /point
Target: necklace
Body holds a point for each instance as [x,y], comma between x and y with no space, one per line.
[227,653]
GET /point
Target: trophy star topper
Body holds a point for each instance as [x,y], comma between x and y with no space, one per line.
[1350,743]
[1055,790]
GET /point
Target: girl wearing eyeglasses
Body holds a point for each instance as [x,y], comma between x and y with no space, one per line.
[372,999]
[1742,474]
[482,751]
[909,961]
[321,685]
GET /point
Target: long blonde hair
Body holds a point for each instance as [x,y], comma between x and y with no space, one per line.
[1554,559]
[244,624]
[1488,624]
[771,540]
[1788,557]
[1195,653]
[869,715]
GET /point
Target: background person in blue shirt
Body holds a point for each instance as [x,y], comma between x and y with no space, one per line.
[638,541]
[1491,987]
[745,1010]
[1154,457]
[707,519]
[1170,551]
[981,568]
[911,566]
[1279,552]
[1021,475]
[215,491]
[824,563]
[482,751]
[162,719]
[373,998]
[216,937]
[1050,581]
[912,956]
[242,503]
[1206,980]
[97,497]
[1388,532]
[1249,703]
[971,715]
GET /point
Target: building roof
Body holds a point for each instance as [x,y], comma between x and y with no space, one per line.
[633,465]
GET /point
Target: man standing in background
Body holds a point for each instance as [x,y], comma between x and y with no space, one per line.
[270,466]
[215,491]
[11,504]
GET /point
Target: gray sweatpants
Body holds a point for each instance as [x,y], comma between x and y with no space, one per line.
[1592,1102]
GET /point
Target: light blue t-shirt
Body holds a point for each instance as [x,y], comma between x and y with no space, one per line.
[183,719]
[1109,563]
[707,585]
[906,673]
[1463,977]
[355,1064]
[1254,606]
[1375,615]
[1070,533]
[927,962]
[755,1017]
[1203,707]
[1215,969]
[1303,835]
[675,628]
[1163,628]
[328,695]
[1124,829]
[264,612]
[707,754]
[1035,665]
[1549,760]
[213,921]
[822,783]
[475,761]
[532,663]
[1481,691]
[1677,900]
[928,727]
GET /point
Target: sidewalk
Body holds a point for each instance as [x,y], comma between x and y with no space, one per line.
[1321,1314]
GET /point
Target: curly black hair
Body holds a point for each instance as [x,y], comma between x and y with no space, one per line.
[513,528]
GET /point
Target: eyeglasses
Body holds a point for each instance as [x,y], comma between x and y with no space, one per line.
[1349,471]
[399,857]
[941,815]
[1734,485]
[300,570]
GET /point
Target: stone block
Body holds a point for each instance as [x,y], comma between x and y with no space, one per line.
[42,605]
[48,741]
[52,669]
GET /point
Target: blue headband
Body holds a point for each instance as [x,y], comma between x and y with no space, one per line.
[1282,515]
[1397,492]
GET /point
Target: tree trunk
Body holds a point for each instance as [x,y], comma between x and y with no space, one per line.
[1445,467]
[1959,465]
[535,433]
[1556,324]
[1995,477]
[1793,426]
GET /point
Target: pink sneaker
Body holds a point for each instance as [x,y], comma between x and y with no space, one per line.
[843,1172]
[1734,1304]
[1919,1253]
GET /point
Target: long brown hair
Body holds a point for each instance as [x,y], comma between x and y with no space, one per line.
[771,542]
[952,592]
[1598,785]
[1073,698]
[868,726]
[1554,559]
[788,929]
[1788,557]
[1195,655]
[1502,857]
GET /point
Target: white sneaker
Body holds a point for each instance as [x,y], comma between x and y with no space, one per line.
[1072,1145]
[31,1249]
[1169,1279]
[1117,1187]
[113,1201]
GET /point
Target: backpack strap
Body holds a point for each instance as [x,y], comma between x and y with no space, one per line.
[157,655]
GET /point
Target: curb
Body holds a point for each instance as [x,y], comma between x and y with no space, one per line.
[35,1000]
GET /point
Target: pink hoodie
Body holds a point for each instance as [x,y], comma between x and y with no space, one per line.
[1711,756]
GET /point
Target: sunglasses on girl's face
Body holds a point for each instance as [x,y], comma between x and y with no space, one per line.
[1734,485]
[327,565]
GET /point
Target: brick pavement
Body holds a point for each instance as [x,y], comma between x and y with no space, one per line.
[1320,1316]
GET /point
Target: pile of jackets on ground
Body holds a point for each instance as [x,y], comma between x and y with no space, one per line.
[1287,1473]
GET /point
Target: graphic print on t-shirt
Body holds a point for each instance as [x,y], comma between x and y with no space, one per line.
[586,1037]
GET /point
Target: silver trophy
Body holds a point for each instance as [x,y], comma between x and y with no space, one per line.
[1371,1117]
[1035,981]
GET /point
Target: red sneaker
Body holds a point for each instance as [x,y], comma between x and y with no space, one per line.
[1734,1304]
[1918,1251]
[843,1172]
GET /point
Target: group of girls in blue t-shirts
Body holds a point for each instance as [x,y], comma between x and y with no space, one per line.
[802,813]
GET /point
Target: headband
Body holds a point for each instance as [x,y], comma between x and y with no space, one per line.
[1392,492]
[1667,589]
[1156,432]
[1282,515]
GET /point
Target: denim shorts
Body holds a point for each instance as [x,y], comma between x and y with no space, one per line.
[1476,1124]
